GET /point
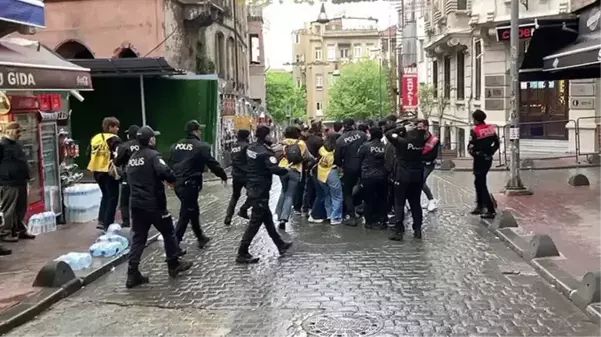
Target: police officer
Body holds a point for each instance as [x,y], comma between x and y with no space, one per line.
[124,152]
[188,159]
[146,172]
[408,177]
[347,158]
[262,164]
[374,179]
[483,144]
[239,173]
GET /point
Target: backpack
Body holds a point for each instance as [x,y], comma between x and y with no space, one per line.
[293,153]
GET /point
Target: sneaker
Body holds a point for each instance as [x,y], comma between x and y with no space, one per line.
[476,211]
[313,220]
[5,251]
[26,236]
[134,280]
[181,267]
[284,248]
[350,221]
[335,222]
[432,205]
[10,238]
[488,215]
[246,259]
[227,221]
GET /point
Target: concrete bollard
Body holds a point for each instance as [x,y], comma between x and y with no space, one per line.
[527,163]
[504,220]
[579,179]
[589,290]
[541,246]
[447,165]
[54,275]
[594,159]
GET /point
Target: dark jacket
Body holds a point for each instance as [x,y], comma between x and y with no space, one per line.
[373,160]
[146,172]
[239,169]
[347,150]
[314,143]
[14,168]
[484,141]
[261,165]
[189,157]
[124,152]
[430,156]
[408,153]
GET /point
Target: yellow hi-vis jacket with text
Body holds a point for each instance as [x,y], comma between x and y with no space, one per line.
[100,153]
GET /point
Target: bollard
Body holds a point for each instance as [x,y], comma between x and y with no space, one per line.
[504,220]
[594,159]
[541,245]
[527,163]
[447,165]
[589,290]
[54,275]
[579,179]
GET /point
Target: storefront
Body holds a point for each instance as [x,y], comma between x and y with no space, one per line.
[35,81]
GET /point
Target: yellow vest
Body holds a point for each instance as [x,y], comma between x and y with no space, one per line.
[100,155]
[303,148]
[326,162]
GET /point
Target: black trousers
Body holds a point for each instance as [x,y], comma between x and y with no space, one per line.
[13,203]
[349,180]
[124,203]
[189,212]
[110,198]
[260,215]
[309,192]
[237,185]
[480,169]
[408,191]
[297,205]
[375,193]
[142,219]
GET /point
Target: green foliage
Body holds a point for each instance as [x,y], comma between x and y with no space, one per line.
[426,99]
[361,91]
[282,95]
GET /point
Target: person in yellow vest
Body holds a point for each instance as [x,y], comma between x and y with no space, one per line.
[103,147]
[329,180]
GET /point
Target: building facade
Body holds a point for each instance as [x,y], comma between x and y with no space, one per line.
[323,46]
[463,52]
[256,55]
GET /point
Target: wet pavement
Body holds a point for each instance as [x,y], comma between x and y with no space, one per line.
[336,282]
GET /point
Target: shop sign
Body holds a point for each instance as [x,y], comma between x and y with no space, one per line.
[27,78]
[24,103]
[409,87]
[524,32]
[49,102]
[582,104]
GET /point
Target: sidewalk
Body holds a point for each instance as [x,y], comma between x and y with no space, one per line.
[540,162]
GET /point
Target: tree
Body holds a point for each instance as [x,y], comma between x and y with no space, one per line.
[361,91]
[426,99]
[283,95]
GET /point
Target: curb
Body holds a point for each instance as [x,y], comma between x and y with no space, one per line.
[505,168]
[32,306]
[561,280]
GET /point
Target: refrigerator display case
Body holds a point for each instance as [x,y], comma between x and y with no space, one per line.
[50,165]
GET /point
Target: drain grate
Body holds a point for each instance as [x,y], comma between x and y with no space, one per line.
[343,325]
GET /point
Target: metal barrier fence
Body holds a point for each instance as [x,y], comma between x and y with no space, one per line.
[597,136]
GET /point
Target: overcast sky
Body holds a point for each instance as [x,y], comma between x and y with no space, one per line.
[281,19]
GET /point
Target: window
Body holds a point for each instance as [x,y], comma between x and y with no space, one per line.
[255,51]
[478,70]
[435,78]
[385,45]
[318,81]
[373,52]
[318,106]
[331,52]
[460,74]
[297,38]
[447,77]
[330,78]
[357,51]
[461,5]
[318,56]
[343,53]
[298,59]
[319,109]
[420,49]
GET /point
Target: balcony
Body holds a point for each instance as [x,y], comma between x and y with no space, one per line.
[204,12]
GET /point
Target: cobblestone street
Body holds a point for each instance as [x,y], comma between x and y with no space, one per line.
[336,282]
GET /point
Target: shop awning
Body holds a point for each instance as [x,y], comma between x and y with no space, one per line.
[548,36]
[581,59]
[129,67]
[24,12]
[29,65]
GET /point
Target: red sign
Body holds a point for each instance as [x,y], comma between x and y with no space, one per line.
[409,86]
[24,103]
[524,32]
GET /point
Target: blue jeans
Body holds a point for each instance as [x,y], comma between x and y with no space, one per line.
[318,210]
[290,183]
[333,200]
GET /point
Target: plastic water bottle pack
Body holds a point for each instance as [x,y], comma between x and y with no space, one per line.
[110,244]
[42,223]
[77,261]
[82,202]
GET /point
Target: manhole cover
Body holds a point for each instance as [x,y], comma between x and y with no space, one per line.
[343,325]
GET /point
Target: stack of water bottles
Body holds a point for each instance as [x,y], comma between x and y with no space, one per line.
[82,202]
[110,244]
[42,223]
[77,261]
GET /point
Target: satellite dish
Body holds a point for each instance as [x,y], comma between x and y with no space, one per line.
[4,103]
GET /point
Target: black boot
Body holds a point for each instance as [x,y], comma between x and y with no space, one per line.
[178,266]
[227,221]
[417,234]
[181,252]
[476,211]
[350,221]
[135,279]
[246,259]
[368,225]
[396,236]
[282,224]
[5,251]
[243,213]
[284,247]
[383,225]
[202,242]
[488,215]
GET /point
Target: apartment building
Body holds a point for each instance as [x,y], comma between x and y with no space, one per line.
[323,46]
[463,51]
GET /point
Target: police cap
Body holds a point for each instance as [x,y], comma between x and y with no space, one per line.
[145,133]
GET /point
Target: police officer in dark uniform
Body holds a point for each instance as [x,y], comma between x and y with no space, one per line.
[346,157]
[124,152]
[408,177]
[188,159]
[374,179]
[262,165]
[239,173]
[146,172]
[483,144]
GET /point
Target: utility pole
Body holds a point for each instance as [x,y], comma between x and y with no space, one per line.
[515,186]
[380,83]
